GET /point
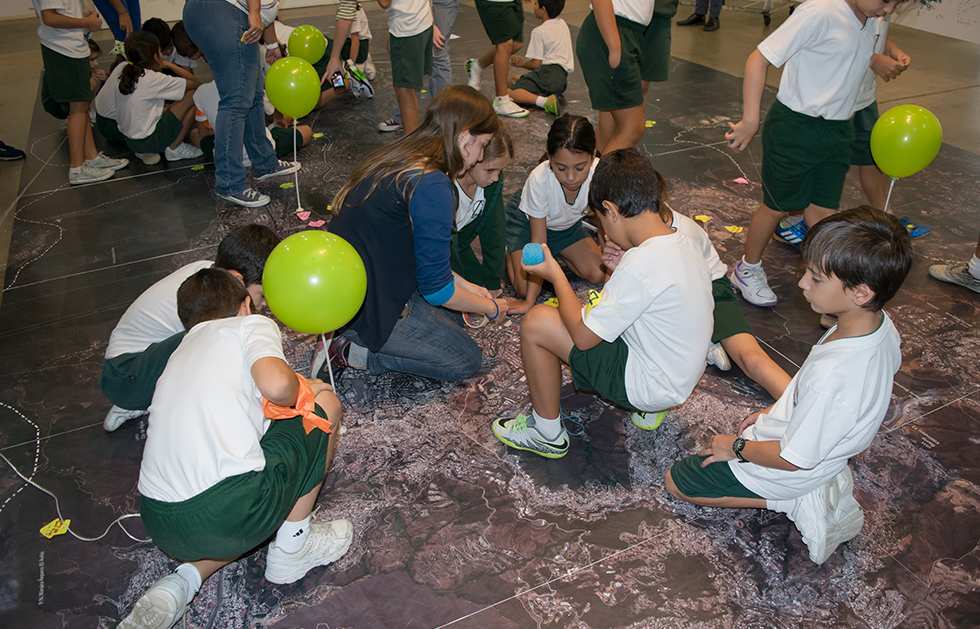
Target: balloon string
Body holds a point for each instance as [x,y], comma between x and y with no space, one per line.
[326,346]
[299,206]
[891,187]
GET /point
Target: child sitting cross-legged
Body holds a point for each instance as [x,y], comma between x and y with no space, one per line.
[642,343]
[550,59]
[792,457]
[218,477]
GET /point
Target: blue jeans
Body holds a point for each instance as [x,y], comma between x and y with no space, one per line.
[108,13]
[444,15]
[701,7]
[216,26]
[426,342]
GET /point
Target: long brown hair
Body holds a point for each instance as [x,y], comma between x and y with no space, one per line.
[432,146]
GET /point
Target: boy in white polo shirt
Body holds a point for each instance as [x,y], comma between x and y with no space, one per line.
[641,344]
[550,59]
[827,47]
[792,457]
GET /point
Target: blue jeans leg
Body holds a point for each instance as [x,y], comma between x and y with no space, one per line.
[108,13]
[426,342]
[444,15]
[216,26]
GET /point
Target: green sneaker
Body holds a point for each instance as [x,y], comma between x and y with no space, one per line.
[649,421]
[519,432]
[551,105]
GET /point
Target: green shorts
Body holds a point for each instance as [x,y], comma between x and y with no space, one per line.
[411,59]
[602,369]
[543,80]
[65,79]
[611,89]
[108,129]
[863,122]
[242,512]
[519,230]
[804,159]
[714,481]
[656,49]
[166,131]
[729,317]
[503,21]
[362,50]
[128,380]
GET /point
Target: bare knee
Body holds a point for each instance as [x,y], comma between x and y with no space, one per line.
[539,320]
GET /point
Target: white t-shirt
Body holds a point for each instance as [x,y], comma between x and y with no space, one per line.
[361,26]
[153,316]
[827,52]
[206,103]
[469,209]
[268,9]
[659,300]
[180,60]
[543,197]
[67,41]
[830,411]
[206,417]
[137,114]
[552,43]
[408,17]
[105,100]
[869,86]
[283,32]
[683,225]
[639,11]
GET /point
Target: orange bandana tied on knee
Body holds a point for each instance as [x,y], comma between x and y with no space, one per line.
[305,407]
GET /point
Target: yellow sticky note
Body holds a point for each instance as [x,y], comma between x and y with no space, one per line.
[703,218]
[735,229]
[288,184]
[594,298]
[329,208]
[57,527]
[198,167]
[650,123]
[317,135]
[552,302]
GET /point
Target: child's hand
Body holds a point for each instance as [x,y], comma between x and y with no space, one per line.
[99,74]
[545,270]
[719,449]
[517,306]
[92,20]
[886,67]
[273,55]
[611,255]
[517,62]
[739,135]
[615,56]
[748,421]
[318,385]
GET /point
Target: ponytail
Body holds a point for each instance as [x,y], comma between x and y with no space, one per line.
[141,51]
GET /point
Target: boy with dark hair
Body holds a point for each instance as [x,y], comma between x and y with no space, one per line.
[185,52]
[503,21]
[641,343]
[150,329]
[792,457]
[162,31]
[550,59]
[219,477]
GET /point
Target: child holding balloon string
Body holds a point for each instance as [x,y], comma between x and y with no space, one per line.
[550,208]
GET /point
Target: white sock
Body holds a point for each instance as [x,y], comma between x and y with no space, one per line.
[549,428]
[291,535]
[751,266]
[91,162]
[539,101]
[975,267]
[75,171]
[190,574]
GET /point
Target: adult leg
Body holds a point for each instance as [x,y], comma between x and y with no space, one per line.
[260,150]
[585,260]
[545,345]
[444,15]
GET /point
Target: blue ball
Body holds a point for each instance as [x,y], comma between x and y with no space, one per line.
[533,254]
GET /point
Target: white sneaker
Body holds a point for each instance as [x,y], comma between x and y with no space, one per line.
[161,607]
[326,543]
[504,106]
[718,357]
[89,174]
[753,285]
[520,432]
[648,421]
[117,416]
[149,158]
[368,69]
[473,72]
[184,151]
[103,161]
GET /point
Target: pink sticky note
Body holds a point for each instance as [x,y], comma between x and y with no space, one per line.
[303,215]
[741,180]
[316,223]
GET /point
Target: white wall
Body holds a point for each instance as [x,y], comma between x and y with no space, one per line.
[169,10]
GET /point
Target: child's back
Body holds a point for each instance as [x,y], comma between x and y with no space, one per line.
[551,42]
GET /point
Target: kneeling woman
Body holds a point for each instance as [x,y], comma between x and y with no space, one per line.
[396,209]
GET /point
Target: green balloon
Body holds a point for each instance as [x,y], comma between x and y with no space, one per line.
[314,282]
[905,140]
[293,86]
[307,42]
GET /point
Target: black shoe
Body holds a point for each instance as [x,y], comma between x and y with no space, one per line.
[693,20]
[712,24]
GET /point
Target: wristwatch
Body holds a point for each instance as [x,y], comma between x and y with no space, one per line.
[737,446]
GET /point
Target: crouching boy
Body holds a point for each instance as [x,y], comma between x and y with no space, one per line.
[792,457]
[218,477]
